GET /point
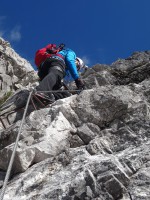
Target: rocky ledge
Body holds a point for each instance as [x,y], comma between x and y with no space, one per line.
[94,145]
[15,71]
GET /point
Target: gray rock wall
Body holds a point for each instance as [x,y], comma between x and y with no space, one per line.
[91,146]
[15,71]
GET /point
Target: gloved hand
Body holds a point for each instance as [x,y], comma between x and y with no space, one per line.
[79,83]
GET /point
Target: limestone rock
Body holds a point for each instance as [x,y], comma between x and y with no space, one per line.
[14,69]
[92,146]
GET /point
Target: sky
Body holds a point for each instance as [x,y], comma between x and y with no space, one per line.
[99,31]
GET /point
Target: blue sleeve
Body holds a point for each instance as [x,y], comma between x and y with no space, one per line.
[71,66]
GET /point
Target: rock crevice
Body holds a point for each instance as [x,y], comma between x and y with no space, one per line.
[92,146]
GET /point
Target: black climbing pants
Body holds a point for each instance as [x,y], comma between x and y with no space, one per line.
[51,73]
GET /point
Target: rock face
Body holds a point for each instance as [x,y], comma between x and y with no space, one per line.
[94,145]
[15,72]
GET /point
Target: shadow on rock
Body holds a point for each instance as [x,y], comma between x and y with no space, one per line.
[12,110]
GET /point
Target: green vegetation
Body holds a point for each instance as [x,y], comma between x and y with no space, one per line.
[5,97]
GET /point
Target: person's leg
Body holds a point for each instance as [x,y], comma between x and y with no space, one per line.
[48,82]
[51,81]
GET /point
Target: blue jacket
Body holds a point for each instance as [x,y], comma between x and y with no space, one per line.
[70,57]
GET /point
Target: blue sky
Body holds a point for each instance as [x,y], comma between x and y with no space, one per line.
[99,31]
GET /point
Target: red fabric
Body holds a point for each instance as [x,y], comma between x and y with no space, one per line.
[41,55]
[52,47]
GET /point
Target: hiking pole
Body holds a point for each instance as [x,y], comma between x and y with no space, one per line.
[14,150]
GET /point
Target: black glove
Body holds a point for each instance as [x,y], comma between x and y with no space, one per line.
[79,83]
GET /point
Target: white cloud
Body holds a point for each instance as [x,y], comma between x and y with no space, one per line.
[86,60]
[15,34]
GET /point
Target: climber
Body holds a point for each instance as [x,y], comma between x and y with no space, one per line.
[52,67]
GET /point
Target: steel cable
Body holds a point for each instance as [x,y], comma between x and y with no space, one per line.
[14,150]
[18,136]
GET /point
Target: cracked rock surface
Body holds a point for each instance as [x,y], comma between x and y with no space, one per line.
[15,71]
[91,146]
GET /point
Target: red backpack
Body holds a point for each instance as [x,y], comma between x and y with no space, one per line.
[50,50]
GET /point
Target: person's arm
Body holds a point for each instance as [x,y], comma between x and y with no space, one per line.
[71,66]
[70,62]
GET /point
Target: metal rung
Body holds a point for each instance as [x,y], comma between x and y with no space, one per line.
[6,116]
